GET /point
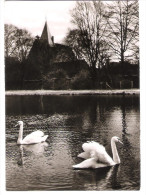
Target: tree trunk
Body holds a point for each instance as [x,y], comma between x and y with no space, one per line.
[94,76]
[22,67]
[122,63]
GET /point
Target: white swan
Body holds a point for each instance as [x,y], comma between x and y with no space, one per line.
[96,155]
[33,138]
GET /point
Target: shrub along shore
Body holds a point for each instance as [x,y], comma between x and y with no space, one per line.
[74,92]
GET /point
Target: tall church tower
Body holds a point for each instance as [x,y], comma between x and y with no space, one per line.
[46,35]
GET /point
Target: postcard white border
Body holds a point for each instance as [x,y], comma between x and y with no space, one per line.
[142,108]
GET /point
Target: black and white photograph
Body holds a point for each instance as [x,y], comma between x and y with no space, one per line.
[72,96]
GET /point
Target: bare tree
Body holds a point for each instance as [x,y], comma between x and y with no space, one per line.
[24,43]
[18,42]
[73,40]
[123,26]
[10,39]
[88,17]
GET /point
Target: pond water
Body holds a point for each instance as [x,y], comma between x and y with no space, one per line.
[70,121]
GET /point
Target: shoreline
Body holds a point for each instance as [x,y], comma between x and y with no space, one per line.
[74,92]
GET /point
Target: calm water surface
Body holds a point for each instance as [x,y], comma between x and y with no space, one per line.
[70,121]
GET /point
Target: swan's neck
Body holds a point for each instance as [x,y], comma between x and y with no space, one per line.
[20,136]
[116,158]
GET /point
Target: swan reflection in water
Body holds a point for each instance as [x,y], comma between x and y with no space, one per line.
[110,178]
[34,149]
[103,178]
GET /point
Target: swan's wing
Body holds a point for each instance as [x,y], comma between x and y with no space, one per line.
[89,163]
[92,146]
[88,150]
[84,155]
[44,138]
[87,155]
[98,152]
[37,133]
[35,137]
[94,149]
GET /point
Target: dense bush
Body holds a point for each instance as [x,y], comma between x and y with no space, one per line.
[60,80]
[60,73]
[82,80]
[56,80]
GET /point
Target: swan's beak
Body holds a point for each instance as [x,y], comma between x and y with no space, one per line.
[120,142]
[16,125]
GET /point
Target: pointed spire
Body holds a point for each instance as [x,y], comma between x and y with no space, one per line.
[46,35]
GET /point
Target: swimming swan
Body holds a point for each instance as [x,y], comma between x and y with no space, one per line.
[33,138]
[96,155]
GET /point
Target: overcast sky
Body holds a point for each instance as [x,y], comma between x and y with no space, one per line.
[31,16]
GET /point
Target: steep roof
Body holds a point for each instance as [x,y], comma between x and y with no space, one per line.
[46,35]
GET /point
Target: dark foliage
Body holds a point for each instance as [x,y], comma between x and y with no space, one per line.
[13,79]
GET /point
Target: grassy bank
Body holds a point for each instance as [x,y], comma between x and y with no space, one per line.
[74,92]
